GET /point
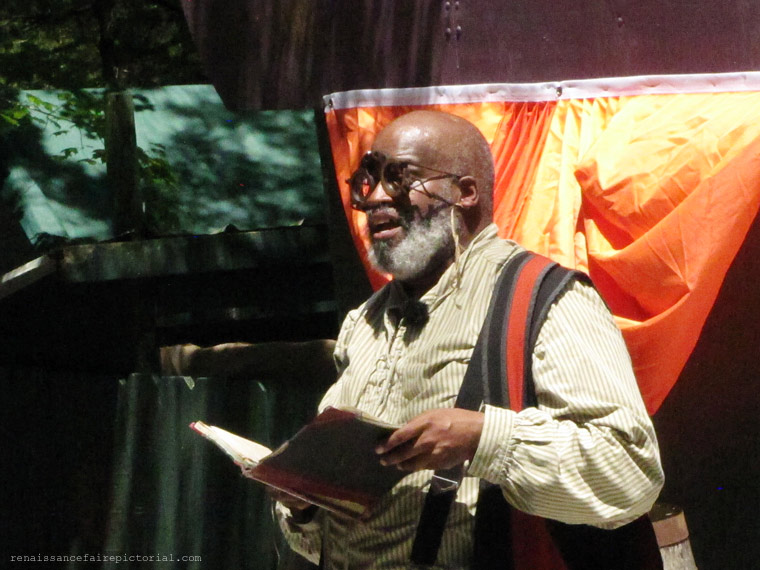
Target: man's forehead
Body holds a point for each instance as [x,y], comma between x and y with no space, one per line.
[407,141]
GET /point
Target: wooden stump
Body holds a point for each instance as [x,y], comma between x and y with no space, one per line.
[672,537]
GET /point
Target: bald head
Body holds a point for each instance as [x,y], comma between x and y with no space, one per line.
[414,234]
[446,142]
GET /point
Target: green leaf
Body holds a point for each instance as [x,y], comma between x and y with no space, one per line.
[9,120]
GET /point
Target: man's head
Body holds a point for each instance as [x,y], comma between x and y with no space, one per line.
[424,166]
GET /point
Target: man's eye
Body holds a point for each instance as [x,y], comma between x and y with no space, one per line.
[414,172]
[394,173]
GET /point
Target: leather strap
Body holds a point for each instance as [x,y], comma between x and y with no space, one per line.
[484,381]
[472,393]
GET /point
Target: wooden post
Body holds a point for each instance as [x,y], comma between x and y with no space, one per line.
[128,220]
[121,164]
[672,534]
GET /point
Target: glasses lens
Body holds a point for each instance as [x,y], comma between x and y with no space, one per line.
[395,178]
[364,180]
[361,184]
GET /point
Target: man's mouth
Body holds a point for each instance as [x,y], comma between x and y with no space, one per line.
[384,224]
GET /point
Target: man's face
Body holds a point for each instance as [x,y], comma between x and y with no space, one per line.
[411,234]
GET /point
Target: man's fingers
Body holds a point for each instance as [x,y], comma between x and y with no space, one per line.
[411,465]
[404,453]
[435,439]
[399,437]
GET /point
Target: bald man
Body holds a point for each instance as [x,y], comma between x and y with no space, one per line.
[586,453]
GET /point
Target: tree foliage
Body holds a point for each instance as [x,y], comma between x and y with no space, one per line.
[24,116]
[217,169]
[69,44]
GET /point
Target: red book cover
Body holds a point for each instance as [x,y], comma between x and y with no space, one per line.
[330,462]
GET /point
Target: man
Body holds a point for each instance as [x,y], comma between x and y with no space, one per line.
[587,454]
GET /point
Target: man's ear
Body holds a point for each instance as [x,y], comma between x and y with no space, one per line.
[469,193]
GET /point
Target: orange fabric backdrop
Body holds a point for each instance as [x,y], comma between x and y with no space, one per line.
[651,195]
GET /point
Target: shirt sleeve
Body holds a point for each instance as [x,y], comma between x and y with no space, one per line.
[588,453]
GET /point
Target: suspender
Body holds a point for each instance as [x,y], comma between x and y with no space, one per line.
[513,302]
[500,374]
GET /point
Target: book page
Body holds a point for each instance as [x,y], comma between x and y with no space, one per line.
[244,452]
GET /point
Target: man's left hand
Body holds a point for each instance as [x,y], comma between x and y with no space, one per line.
[436,439]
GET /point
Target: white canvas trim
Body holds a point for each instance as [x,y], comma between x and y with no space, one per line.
[549,91]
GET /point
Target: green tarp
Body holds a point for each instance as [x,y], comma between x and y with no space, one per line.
[250,171]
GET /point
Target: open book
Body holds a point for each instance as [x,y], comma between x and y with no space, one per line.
[330,462]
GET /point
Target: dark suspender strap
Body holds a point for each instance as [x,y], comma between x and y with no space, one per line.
[582,547]
[491,371]
[492,538]
[482,382]
[553,282]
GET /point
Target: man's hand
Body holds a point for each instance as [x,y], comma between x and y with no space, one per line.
[436,439]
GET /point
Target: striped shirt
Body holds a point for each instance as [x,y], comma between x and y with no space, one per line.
[586,454]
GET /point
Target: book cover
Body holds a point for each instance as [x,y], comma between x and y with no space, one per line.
[330,462]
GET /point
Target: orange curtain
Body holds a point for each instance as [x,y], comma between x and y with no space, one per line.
[651,195]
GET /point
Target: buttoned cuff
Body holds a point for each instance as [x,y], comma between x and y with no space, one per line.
[490,458]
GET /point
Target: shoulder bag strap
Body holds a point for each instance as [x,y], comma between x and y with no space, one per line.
[483,382]
[580,547]
[534,289]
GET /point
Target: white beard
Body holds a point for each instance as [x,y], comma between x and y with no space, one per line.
[429,242]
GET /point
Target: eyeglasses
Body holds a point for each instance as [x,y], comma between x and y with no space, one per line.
[393,175]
